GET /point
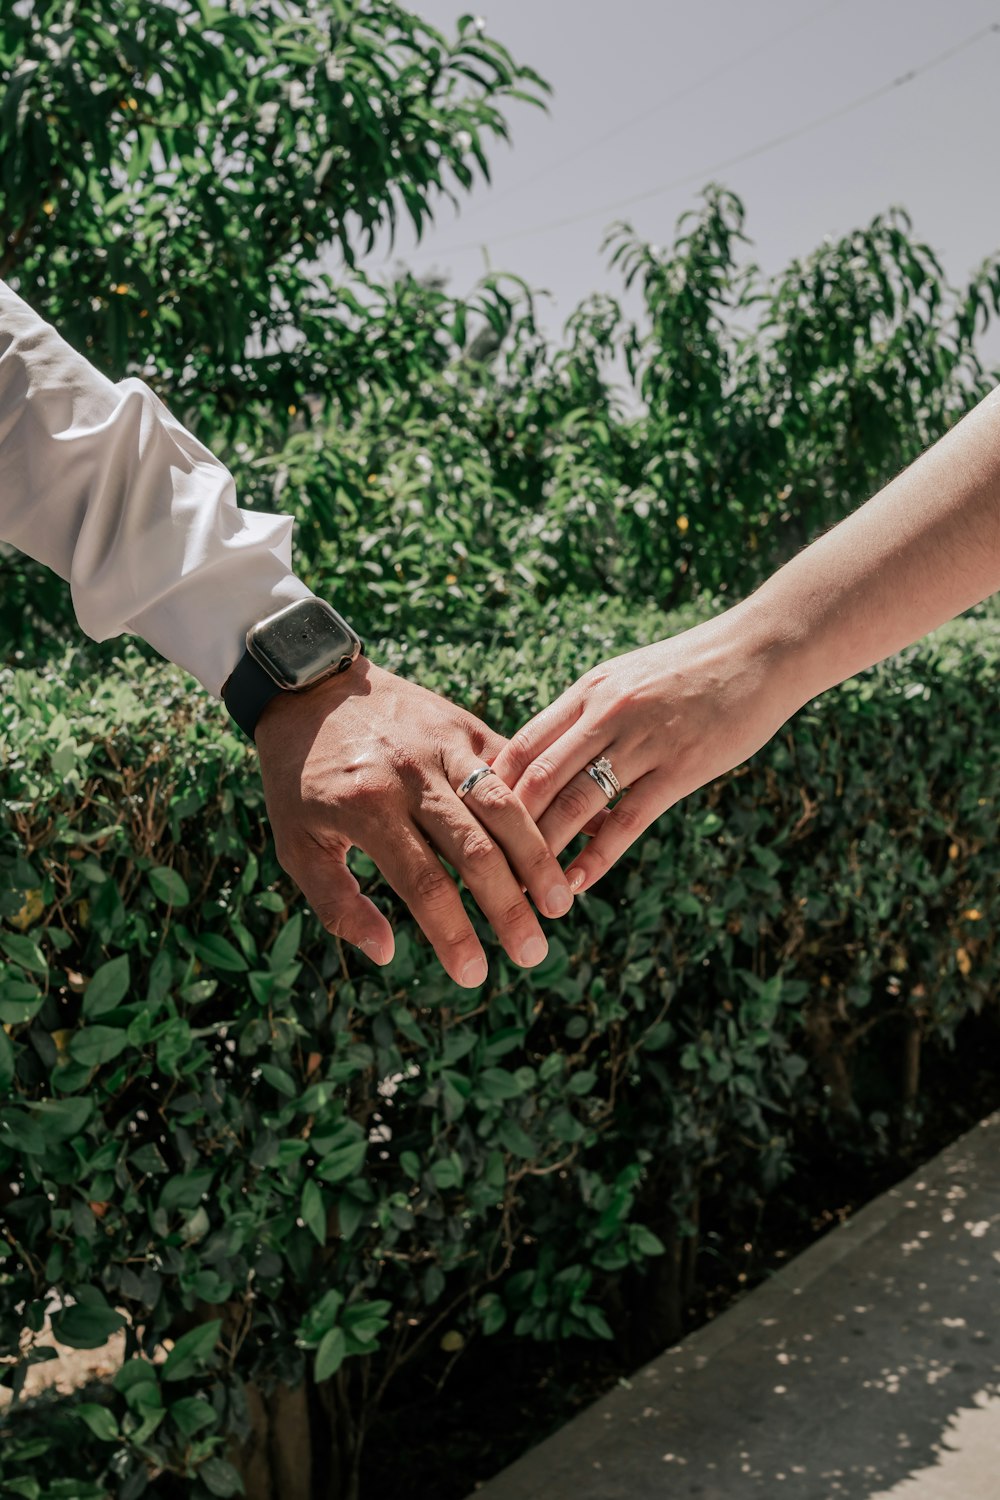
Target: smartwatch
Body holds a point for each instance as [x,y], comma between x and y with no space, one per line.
[289,652]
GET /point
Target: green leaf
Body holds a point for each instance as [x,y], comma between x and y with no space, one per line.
[330,1355]
[191,1414]
[59,1119]
[168,886]
[516,1140]
[219,953]
[24,951]
[97,1044]
[645,1240]
[492,1312]
[498,1083]
[20,1002]
[192,1351]
[137,1375]
[286,944]
[344,1161]
[446,1172]
[279,1079]
[19,1133]
[410,1163]
[220,1478]
[187,1190]
[86,1326]
[100,1421]
[313,1211]
[6,1063]
[25,1489]
[597,1322]
[108,987]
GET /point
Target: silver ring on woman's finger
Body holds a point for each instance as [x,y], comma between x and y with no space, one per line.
[600,771]
[473,779]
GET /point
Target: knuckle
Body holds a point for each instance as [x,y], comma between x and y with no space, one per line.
[493,794]
[478,850]
[519,748]
[330,916]
[456,942]
[514,914]
[627,819]
[431,885]
[539,779]
[574,802]
[540,860]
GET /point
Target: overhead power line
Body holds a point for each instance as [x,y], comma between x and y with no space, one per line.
[771,40]
[704,173]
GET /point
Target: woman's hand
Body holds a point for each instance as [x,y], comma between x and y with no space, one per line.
[669,717]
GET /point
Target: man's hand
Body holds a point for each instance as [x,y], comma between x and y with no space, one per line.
[371,760]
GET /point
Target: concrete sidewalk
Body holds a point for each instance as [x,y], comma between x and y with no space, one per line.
[868,1369]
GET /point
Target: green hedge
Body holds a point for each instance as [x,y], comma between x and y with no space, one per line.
[219,1127]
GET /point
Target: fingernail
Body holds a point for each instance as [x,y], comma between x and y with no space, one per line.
[373,950]
[474,973]
[533,952]
[575,879]
[559,900]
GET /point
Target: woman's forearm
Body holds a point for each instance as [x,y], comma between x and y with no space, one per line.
[671,716]
[920,552]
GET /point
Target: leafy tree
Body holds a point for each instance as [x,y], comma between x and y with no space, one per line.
[172,172]
[758,413]
[178,177]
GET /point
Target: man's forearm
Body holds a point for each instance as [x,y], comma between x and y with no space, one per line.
[920,552]
[102,484]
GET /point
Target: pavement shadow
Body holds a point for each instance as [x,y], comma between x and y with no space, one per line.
[867,1370]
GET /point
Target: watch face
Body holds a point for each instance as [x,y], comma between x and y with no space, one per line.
[303,643]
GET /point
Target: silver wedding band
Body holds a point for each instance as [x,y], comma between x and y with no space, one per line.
[473,779]
[600,771]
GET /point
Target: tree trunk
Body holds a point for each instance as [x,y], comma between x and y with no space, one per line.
[910,1081]
[275,1462]
[658,1308]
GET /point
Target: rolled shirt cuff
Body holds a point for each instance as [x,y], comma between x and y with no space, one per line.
[179,563]
[102,484]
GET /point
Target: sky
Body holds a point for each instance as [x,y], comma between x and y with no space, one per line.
[647,92]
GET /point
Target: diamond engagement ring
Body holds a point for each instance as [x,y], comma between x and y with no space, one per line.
[473,779]
[600,771]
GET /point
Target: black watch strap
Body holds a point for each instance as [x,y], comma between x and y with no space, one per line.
[247,692]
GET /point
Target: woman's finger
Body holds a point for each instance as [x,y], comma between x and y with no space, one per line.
[596,823]
[624,823]
[541,782]
[582,799]
[537,735]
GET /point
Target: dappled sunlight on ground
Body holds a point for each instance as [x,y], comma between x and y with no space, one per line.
[869,1369]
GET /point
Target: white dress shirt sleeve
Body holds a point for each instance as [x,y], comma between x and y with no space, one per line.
[102,484]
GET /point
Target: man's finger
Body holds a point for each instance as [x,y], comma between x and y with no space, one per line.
[467,845]
[624,823]
[418,878]
[335,897]
[497,810]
